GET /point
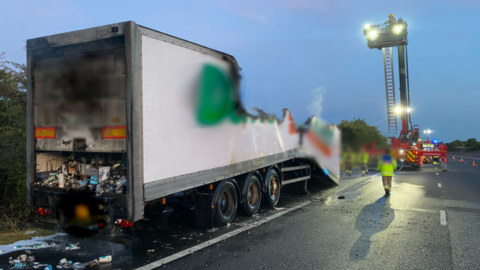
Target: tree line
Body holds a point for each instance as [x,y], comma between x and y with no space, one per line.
[13,104]
[469,145]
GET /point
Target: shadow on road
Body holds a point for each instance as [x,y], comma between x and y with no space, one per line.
[373,218]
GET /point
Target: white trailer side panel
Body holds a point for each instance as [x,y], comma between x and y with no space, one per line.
[175,144]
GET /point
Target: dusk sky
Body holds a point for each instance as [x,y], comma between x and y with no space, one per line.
[308,56]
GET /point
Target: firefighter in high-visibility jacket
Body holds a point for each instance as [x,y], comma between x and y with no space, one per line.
[348,158]
[387,165]
[363,161]
[435,159]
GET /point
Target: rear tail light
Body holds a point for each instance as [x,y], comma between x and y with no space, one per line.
[43,211]
[101,224]
[45,133]
[123,223]
[118,132]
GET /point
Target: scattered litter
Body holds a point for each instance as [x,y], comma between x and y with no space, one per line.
[279,208]
[34,246]
[169,247]
[78,265]
[437,173]
[105,259]
[150,250]
[228,225]
[212,229]
[19,265]
[64,263]
[31,258]
[49,267]
[341,197]
[31,232]
[73,246]
[1,250]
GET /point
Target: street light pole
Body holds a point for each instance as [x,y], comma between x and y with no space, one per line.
[428,131]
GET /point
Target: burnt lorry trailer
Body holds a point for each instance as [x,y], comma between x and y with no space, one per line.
[124,121]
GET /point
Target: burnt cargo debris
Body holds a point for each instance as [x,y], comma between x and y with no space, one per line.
[93,173]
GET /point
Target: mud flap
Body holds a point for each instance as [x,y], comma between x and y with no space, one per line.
[204,212]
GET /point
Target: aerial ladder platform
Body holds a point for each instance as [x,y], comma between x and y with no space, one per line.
[390,89]
[407,145]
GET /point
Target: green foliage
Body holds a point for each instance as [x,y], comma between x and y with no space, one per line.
[470,145]
[13,101]
[358,132]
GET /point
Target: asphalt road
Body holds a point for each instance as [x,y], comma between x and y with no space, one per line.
[365,230]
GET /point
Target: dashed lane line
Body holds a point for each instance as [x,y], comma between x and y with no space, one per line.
[443,218]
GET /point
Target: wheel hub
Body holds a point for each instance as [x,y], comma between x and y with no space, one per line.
[252,195]
[273,187]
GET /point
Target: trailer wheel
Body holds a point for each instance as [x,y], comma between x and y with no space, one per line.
[272,188]
[225,203]
[252,195]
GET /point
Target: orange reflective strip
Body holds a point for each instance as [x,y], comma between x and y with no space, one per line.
[291,126]
[45,132]
[118,132]
[318,143]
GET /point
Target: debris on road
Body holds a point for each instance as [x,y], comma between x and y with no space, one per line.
[36,265]
[31,232]
[64,263]
[341,197]
[37,246]
[72,246]
[150,250]
[105,259]
[78,265]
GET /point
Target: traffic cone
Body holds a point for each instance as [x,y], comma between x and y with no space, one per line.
[461,160]
[453,157]
[473,164]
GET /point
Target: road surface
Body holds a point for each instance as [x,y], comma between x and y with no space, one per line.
[430,221]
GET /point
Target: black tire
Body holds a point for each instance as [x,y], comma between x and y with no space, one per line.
[272,186]
[251,195]
[225,203]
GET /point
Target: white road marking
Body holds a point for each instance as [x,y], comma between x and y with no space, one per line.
[213,241]
[443,218]
[439,185]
